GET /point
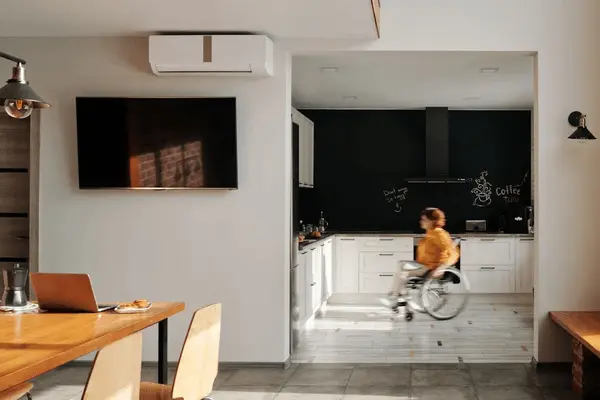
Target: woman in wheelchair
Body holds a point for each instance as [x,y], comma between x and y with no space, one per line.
[435,250]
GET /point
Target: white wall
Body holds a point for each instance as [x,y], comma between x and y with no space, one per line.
[564,34]
[195,246]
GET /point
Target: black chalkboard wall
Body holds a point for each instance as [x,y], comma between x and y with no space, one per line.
[362,158]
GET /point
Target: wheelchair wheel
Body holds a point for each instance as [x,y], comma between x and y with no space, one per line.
[442,298]
[413,298]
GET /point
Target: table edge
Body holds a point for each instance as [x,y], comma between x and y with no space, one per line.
[555,317]
[21,375]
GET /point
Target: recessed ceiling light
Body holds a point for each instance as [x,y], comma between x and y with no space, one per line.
[489,70]
[329,69]
[349,97]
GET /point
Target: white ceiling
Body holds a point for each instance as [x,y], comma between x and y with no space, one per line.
[406,80]
[277,18]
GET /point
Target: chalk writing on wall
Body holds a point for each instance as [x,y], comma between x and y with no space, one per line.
[395,197]
[482,191]
[511,194]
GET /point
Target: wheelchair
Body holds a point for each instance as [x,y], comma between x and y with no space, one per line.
[443,296]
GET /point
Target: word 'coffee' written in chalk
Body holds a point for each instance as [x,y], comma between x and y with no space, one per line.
[510,193]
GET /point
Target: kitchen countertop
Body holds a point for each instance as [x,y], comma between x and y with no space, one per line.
[329,234]
[314,241]
[417,234]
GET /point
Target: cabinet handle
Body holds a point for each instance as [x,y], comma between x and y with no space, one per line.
[313,284]
[488,268]
[304,252]
[386,254]
[323,245]
[347,240]
[526,240]
[386,239]
[313,249]
[487,240]
[384,275]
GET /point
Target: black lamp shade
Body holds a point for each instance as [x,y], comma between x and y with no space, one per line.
[21,91]
[582,133]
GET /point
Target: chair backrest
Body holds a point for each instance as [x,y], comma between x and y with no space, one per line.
[117,371]
[199,361]
[16,392]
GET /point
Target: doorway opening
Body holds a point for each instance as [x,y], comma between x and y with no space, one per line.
[365,133]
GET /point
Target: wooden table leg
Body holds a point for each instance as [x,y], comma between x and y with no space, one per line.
[585,370]
[163,370]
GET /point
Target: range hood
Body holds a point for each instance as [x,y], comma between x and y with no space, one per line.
[437,153]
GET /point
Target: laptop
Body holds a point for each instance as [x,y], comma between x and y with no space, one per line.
[66,292]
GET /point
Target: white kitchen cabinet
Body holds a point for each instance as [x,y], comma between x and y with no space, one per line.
[301,286]
[489,279]
[524,265]
[388,243]
[316,294]
[308,283]
[487,251]
[346,265]
[327,269]
[309,156]
[305,148]
[382,261]
[375,283]
[489,264]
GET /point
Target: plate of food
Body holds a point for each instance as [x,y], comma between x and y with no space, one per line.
[138,306]
[27,308]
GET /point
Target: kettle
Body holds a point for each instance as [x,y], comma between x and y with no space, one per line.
[15,280]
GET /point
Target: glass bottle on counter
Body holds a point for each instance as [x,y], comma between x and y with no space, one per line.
[323,224]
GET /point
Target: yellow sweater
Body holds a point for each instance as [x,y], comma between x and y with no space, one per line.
[436,248]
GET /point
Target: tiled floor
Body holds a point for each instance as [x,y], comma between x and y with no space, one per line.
[359,352]
[357,382]
[492,329]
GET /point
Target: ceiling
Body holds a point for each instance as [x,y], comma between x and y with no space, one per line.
[407,80]
[277,18]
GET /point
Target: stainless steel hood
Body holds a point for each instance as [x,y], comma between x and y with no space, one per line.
[437,152]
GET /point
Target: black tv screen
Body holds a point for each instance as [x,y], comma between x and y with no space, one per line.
[157,143]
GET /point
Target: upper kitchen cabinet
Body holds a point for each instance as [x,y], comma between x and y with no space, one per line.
[306,149]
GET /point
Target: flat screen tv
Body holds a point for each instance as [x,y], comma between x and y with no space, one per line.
[166,143]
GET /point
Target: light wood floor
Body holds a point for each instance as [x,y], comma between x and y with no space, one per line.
[492,329]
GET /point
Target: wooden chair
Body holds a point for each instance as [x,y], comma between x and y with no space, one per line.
[117,371]
[17,392]
[198,363]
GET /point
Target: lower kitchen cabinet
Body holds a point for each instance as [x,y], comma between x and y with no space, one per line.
[316,278]
[314,282]
[366,264]
[346,265]
[489,279]
[301,286]
[382,261]
[376,282]
[487,251]
[524,265]
[327,249]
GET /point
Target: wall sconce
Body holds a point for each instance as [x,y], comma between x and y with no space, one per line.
[18,97]
[582,133]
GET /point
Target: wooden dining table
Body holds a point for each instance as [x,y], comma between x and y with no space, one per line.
[33,344]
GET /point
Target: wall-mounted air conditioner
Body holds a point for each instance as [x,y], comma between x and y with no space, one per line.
[211,55]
